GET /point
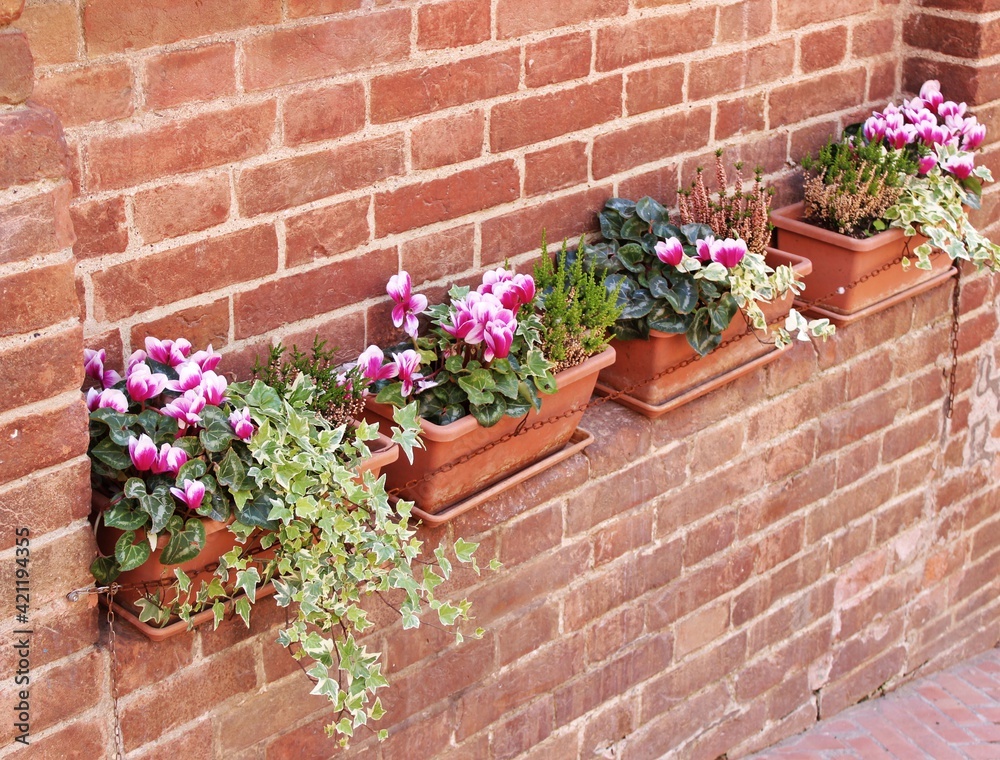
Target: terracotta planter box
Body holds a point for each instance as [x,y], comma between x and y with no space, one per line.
[201,569]
[639,360]
[839,260]
[446,443]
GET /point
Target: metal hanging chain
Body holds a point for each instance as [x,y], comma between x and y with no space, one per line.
[956,313]
[119,740]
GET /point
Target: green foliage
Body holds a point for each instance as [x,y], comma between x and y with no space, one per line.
[338,396]
[578,313]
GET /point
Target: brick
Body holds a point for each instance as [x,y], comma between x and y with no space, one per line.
[293,181]
[186,695]
[557,59]
[855,422]
[531,535]
[872,38]
[744,21]
[651,141]
[433,88]
[517,17]
[10,11]
[613,633]
[27,445]
[821,50]
[203,325]
[660,183]
[700,498]
[708,539]
[529,728]
[37,298]
[526,121]
[324,114]
[100,93]
[326,49]
[200,142]
[526,633]
[700,629]
[447,198]
[140,284]
[17,69]
[40,368]
[53,30]
[622,437]
[453,24]
[184,76]
[180,208]
[790,455]
[100,226]
[440,254]
[901,439]
[519,231]
[656,37]
[677,685]
[654,88]
[960,37]
[111,27]
[32,146]
[816,96]
[630,533]
[36,226]
[794,15]
[266,714]
[316,291]
[449,140]
[49,501]
[303,8]
[194,743]
[326,231]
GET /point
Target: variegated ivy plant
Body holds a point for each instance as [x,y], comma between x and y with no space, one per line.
[173,444]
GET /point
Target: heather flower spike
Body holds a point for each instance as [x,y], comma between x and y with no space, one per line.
[408,304]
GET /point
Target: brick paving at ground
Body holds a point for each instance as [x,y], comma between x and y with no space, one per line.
[951,715]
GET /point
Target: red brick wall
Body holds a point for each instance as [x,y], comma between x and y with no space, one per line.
[246,170]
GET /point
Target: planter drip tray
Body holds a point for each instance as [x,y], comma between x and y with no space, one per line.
[656,410]
[580,440]
[845,319]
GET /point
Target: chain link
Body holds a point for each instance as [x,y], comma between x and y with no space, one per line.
[956,313]
[119,740]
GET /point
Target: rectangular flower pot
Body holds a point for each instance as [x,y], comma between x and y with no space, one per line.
[638,361]
[840,261]
[444,444]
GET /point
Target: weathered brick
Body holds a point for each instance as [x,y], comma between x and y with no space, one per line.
[555,168]
[325,49]
[449,140]
[813,97]
[53,30]
[452,24]
[557,59]
[821,50]
[37,298]
[439,200]
[36,226]
[316,291]
[17,69]
[100,226]
[656,37]
[32,146]
[517,17]
[303,8]
[439,254]
[651,141]
[200,142]
[184,76]
[182,207]
[140,284]
[47,501]
[293,181]
[10,10]
[203,325]
[326,231]
[324,114]
[526,121]
[113,27]
[40,368]
[654,88]
[792,14]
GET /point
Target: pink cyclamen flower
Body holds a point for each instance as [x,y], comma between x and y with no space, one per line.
[524,284]
[142,451]
[373,366]
[408,304]
[189,376]
[961,166]
[933,134]
[170,352]
[207,359]
[462,321]
[213,387]
[704,248]
[241,424]
[137,357]
[493,277]
[900,137]
[926,163]
[973,134]
[93,365]
[930,93]
[192,494]
[499,336]
[186,409]
[408,362]
[109,398]
[670,251]
[951,109]
[143,384]
[874,128]
[170,459]
[729,252]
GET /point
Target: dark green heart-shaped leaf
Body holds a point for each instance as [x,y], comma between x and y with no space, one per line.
[649,210]
[193,469]
[255,512]
[119,425]
[631,257]
[490,414]
[231,472]
[112,454]
[129,554]
[634,228]
[699,334]
[621,205]
[125,516]
[722,313]
[217,433]
[185,544]
[159,505]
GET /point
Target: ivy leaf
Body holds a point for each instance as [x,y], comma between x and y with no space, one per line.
[264,398]
[478,385]
[242,606]
[183,581]
[217,433]
[391,394]
[112,454]
[490,414]
[231,472]
[649,210]
[185,544]
[129,554]
[119,425]
[248,581]
[124,516]
[535,364]
[151,612]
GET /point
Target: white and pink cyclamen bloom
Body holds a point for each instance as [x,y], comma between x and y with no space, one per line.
[408,304]
[241,424]
[143,384]
[93,365]
[208,359]
[373,366]
[407,363]
[109,398]
[170,352]
[186,409]
[498,336]
[192,494]
[728,252]
[670,251]
[142,452]
[930,93]
[170,459]
[213,387]
[961,165]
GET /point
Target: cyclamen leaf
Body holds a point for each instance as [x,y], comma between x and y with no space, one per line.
[649,210]
[699,336]
[217,433]
[231,472]
[112,454]
[119,425]
[507,385]
[129,554]
[159,505]
[193,469]
[490,414]
[631,256]
[185,544]
[124,516]
[622,206]
[634,228]
[105,569]
[135,488]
